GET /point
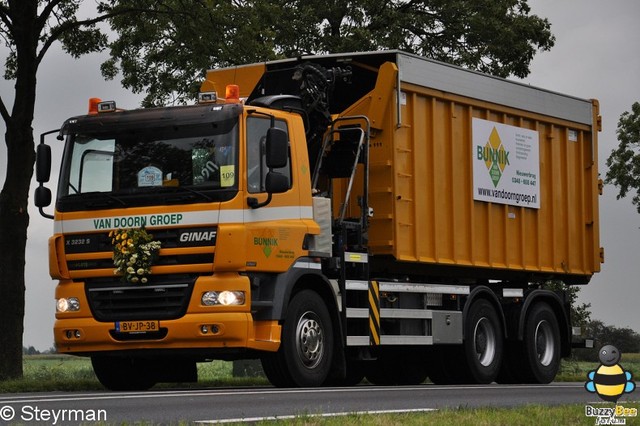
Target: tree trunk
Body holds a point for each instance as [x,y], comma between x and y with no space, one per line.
[14,220]
[14,217]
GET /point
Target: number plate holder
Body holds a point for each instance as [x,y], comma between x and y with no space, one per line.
[137,326]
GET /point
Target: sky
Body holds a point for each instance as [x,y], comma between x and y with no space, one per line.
[595,56]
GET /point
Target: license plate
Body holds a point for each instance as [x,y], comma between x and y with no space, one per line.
[137,326]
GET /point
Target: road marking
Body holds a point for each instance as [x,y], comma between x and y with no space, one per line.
[257,391]
[292,417]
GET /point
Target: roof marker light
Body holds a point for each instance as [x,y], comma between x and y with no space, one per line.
[93,105]
[232,94]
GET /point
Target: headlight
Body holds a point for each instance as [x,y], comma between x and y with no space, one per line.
[225,298]
[70,304]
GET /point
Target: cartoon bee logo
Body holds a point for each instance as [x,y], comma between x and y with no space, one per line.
[610,380]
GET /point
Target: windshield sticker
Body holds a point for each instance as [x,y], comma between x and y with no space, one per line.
[227,175]
[150,176]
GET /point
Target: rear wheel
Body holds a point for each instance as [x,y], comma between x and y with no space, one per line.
[304,357]
[541,345]
[484,342]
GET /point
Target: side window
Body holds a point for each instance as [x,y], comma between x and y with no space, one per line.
[92,166]
[256,164]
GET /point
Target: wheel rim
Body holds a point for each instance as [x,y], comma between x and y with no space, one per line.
[309,340]
[545,348]
[484,337]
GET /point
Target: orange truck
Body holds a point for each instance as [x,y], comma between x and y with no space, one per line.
[339,217]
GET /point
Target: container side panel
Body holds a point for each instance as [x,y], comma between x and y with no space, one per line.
[436,219]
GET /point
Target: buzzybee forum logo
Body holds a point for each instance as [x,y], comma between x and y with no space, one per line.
[610,381]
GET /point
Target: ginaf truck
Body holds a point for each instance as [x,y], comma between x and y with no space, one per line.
[339,217]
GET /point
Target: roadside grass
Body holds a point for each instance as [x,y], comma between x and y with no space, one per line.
[43,373]
[529,415]
[572,370]
[46,373]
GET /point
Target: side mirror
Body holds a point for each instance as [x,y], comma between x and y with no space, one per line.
[276,183]
[43,163]
[277,148]
[42,197]
[43,172]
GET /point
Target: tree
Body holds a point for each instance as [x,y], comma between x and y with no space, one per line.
[624,161]
[623,338]
[29,28]
[164,49]
[580,314]
[163,53]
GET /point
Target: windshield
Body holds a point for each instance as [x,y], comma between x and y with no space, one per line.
[130,167]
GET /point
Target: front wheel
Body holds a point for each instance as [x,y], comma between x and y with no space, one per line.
[304,357]
[123,374]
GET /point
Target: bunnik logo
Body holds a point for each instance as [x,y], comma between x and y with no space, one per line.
[494,155]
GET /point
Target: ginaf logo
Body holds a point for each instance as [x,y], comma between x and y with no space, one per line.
[610,380]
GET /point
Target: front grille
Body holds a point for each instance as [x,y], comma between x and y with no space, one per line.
[184,253]
[169,238]
[160,299]
[188,246]
[183,259]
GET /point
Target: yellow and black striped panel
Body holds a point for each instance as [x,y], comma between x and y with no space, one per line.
[374,313]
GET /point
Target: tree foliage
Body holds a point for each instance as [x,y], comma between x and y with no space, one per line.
[163,51]
[624,161]
[580,314]
[623,338]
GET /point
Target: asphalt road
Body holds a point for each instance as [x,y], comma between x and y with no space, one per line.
[244,404]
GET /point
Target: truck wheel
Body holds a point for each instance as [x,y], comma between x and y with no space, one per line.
[540,345]
[122,374]
[484,343]
[304,357]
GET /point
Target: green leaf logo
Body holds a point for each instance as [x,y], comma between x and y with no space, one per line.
[495,156]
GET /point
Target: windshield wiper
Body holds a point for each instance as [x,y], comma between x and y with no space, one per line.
[98,203]
[195,191]
[175,190]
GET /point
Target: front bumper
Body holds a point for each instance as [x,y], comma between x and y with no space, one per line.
[223,331]
[211,329]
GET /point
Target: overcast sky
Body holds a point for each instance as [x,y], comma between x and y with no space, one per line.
[596,56]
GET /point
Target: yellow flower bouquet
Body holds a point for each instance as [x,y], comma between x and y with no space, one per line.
[134,251]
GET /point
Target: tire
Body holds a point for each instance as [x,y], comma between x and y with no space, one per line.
[306,348]
[122,374]
[540,345]
[483,345]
